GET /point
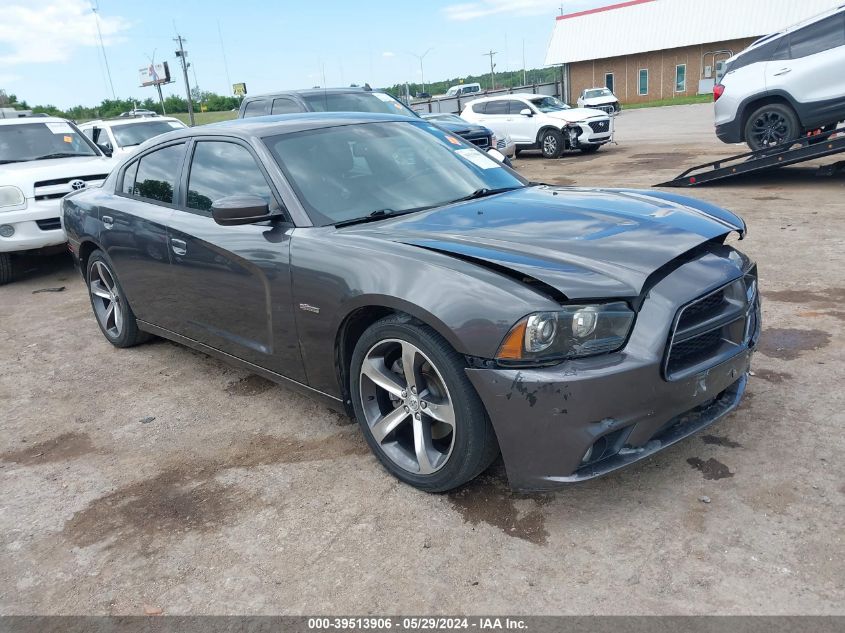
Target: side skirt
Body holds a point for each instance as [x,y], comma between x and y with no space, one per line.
[334,403]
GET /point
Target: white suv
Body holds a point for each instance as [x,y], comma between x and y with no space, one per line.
[539,121]
[784,85]
[41,160]
[121,137]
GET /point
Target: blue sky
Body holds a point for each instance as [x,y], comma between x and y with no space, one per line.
[49,50]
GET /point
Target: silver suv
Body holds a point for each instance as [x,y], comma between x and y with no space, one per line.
[785,84]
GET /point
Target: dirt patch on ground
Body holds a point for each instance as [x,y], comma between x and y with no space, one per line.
[252,385]
[487,499]
[64,447]
[774,377]
[660,160]
[186,497]
[831,297]
[789,343]
[719,440]
[711,469]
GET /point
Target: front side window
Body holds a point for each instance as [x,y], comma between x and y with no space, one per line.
[220,169]
[254,108]
[132,134]
[25,142]
[681,78]
[816,38]
[642,86]
[158,173]
[351,171]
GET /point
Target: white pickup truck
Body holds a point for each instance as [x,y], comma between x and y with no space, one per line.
[41,160]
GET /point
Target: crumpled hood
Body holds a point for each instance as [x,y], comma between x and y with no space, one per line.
[594,101]
[24,175]
[585,243]
[575,114]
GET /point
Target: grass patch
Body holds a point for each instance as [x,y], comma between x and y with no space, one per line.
[202,118]
[708,98]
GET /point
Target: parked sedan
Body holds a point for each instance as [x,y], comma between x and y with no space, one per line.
[397,273]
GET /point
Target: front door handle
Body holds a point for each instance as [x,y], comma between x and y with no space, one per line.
[179,246]
[783,71]
[108,221]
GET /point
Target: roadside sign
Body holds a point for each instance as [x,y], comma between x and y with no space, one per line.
[239,90]
[154,74]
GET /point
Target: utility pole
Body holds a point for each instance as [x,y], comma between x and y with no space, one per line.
[181,54]
[492,66]
[524,82]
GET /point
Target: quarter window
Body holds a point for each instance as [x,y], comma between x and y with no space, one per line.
[642,86]
[285,106]
[129,179]
[254,108]
[681,78]
[220,169]
[479,108]
[158,173]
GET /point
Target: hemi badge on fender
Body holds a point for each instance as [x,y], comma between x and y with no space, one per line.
[309,308]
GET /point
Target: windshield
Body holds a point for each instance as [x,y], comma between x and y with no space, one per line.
[601,92]
[378,102]
[351,171]
[549,104]
[32,141]
[136,133]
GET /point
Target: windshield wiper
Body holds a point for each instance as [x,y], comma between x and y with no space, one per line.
[59,155]
[483,193]
[378,214]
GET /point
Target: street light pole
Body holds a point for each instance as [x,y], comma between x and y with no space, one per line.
[422,74]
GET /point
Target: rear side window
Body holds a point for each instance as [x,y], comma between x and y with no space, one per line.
[254,108]
[285,106]
[515,107]
[819,37]
[220,169]
[497,107]
[479,108]
[158,173]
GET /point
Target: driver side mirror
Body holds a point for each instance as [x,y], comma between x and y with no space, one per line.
[526,112]
[236,210]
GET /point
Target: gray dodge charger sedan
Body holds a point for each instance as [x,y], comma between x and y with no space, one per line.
[390,269]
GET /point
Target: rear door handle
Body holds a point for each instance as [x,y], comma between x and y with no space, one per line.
[783,71]
[108,221]
[179,246]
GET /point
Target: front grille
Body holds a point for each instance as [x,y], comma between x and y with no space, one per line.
[50,224]
[600,127]
[482,141]
[64,181]
[712,328]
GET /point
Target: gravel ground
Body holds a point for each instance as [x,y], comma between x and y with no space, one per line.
[158,478]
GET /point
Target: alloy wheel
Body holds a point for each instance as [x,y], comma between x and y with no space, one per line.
[407,406]
[549,145]
[105,297]
[771,128]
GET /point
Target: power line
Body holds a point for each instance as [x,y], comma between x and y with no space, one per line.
[94,10]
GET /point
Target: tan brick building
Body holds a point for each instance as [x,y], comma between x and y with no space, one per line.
[648,50]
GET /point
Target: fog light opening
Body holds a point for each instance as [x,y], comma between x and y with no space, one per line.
[7,230]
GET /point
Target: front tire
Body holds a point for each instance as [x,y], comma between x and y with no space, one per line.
[770,125]
[5,268]
[417,409]
[551,144]
[111,309]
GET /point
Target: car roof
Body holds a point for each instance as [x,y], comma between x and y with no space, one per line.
[515,95]
[33,119]
[126,121]
[310,92]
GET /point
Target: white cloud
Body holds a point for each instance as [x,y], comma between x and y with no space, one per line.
[484,8]
[388,54]
[38,31]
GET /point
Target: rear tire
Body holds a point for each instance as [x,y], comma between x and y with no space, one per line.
[5,268]
[108,301]
[427,426]
[551,144]
[770,125]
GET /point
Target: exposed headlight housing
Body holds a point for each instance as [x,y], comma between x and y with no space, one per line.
[574,331]
[11,196]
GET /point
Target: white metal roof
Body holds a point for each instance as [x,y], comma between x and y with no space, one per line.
[638,26]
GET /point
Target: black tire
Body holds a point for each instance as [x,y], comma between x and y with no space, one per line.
[127,334]
[5,268]
[551,144]
[770,125]
[589,149]
[474,445]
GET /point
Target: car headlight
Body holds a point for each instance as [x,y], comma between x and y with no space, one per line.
[573,332]
[11,197]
